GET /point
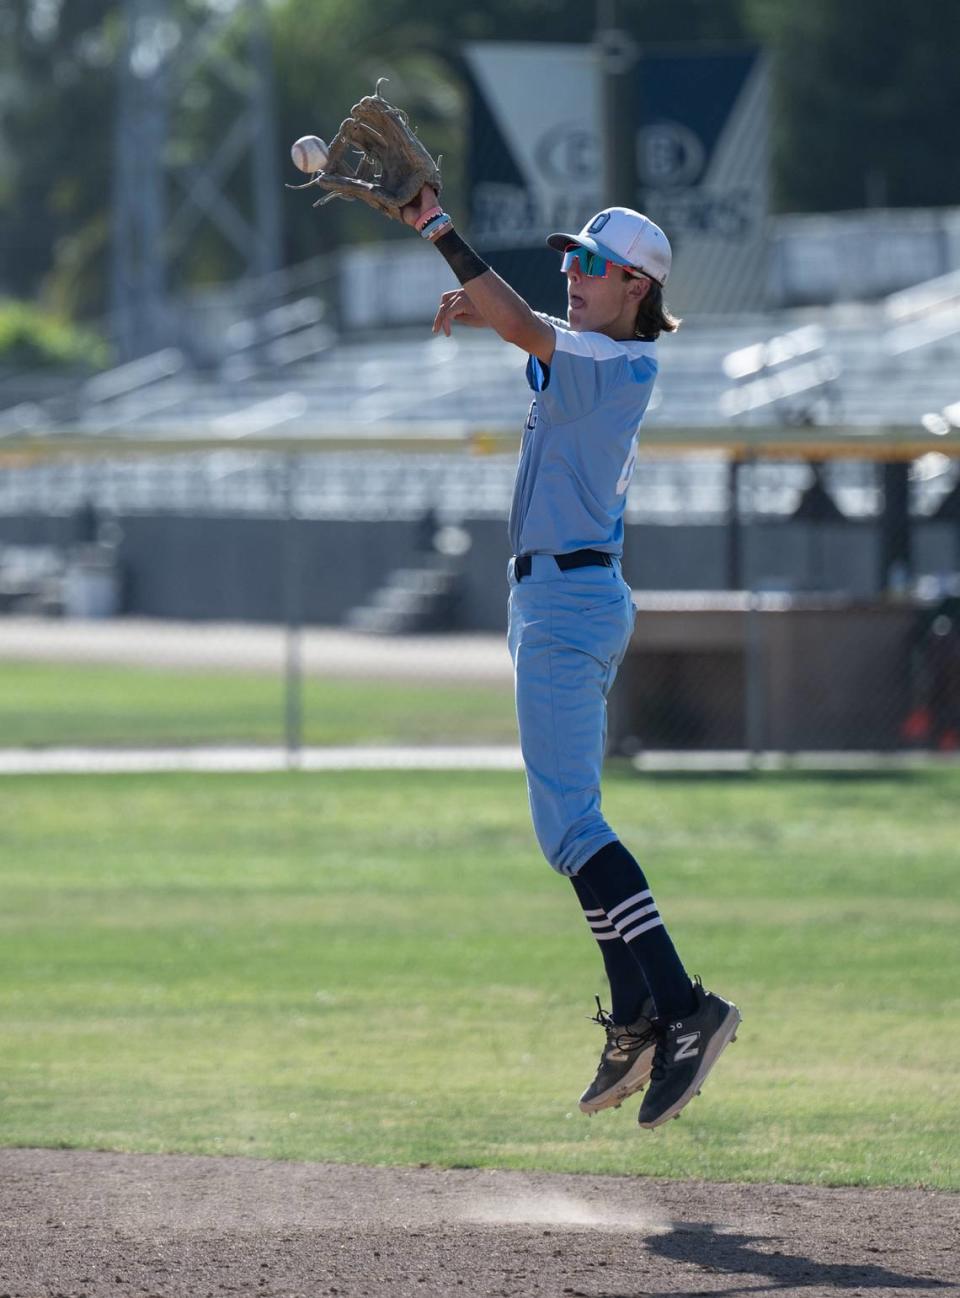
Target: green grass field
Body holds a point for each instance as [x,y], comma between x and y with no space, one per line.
[52,704]
[379,968]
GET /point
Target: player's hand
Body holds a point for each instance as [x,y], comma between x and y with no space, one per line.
[456,306]
[426,199]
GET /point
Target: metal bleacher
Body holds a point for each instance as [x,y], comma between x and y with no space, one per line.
[286,373]
[867,369]
[281,368]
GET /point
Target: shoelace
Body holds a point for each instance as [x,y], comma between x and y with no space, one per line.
[624,1039]
[659,1066]
[601,1017]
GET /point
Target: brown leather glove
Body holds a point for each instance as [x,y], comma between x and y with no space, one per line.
[393,166]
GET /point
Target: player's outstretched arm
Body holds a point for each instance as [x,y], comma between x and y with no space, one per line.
[491,297]
[505,310]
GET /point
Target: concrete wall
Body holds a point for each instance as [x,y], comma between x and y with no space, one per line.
[178,566]
[836,256]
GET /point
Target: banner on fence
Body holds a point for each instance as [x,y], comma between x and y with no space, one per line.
[701,138]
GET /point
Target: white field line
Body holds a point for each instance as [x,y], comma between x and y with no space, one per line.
[116,761]
[107,761]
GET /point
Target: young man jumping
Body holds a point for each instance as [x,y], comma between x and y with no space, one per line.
[571,618]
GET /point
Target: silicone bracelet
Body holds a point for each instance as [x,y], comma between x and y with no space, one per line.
[436,226]
[428,217]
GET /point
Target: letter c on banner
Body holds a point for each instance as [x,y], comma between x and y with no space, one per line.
[568,154]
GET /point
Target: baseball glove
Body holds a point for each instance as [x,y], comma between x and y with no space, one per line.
[393,167]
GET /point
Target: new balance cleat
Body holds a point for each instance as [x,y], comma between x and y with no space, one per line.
[686,1051]
[625,1062]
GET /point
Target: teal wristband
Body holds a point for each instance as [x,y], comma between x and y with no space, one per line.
[435,225]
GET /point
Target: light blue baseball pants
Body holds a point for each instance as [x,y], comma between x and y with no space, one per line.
[568,632]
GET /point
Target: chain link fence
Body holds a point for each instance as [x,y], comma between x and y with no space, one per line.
[784,605]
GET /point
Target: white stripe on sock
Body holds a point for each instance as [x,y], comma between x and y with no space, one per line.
[641,928]
[595,914]
[631,901]
[612,936]
[634,915]
[601,925]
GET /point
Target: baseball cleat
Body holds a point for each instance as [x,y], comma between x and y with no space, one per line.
[625,1062]
[686,1050]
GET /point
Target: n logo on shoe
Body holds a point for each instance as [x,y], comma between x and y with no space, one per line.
[688,1046]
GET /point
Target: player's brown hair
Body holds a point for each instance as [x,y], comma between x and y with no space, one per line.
[654,316]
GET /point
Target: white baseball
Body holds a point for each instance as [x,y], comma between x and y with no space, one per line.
[309,154]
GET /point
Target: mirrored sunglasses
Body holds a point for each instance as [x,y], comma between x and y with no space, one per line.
[590,262]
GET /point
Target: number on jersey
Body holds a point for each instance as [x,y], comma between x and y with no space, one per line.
[629,464]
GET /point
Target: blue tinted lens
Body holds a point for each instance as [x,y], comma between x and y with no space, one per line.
[590,263]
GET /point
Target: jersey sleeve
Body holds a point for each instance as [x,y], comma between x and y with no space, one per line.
[553,320]
[585,370]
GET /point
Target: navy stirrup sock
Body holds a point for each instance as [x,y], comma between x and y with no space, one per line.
[628,987]
[621,889]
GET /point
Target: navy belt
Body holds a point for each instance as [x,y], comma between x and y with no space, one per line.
[522,564]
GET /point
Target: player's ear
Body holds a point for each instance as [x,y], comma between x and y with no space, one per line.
[638,289]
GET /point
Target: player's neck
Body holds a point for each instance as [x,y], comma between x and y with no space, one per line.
[624,328]
[620,331]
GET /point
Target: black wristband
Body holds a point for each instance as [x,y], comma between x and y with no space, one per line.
[460,257]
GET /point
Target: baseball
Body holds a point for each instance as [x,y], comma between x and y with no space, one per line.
[309,154]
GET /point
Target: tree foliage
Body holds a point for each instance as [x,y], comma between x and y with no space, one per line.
[868,101]
[55,146]
[32,339]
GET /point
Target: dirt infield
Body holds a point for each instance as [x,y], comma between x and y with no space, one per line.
[74,1223]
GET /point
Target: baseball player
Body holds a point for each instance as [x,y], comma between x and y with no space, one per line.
[570,611]
[571,618]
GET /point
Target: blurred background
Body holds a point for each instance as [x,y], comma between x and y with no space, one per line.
[246,498]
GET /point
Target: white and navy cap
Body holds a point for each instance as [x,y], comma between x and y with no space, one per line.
[626,237]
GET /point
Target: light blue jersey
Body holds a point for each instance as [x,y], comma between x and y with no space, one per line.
[579,444]
[569,629]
